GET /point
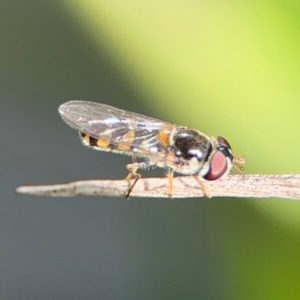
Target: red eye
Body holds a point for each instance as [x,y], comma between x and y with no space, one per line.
[218,166]
[223,142]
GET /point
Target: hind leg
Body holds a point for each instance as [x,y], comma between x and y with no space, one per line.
[132,169]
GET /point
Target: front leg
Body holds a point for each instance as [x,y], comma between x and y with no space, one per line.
[202,186]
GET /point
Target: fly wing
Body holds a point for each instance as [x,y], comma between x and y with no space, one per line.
[125,130]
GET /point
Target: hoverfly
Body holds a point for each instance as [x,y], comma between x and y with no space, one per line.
[178,148]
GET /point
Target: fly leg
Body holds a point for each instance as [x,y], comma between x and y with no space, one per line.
[170,183]
[132,168]
[202,186]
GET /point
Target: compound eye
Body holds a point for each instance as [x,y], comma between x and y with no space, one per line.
[218,166]
[223,142]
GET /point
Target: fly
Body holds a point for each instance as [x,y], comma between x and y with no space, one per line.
[177,148]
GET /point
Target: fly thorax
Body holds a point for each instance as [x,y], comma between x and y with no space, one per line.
[190,150]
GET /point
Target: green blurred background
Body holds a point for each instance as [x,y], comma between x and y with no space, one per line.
[228,68]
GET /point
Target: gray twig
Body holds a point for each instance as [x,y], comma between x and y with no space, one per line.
[255,186]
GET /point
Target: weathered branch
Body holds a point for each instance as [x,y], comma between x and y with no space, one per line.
[255,186]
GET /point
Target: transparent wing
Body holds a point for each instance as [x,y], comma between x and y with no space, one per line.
[104,121]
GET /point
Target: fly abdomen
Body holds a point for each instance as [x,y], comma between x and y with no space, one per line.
[88,140]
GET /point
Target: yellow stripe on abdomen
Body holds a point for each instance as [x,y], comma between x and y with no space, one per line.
[127,140]
[164,135]
[92,142]
[103,142]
